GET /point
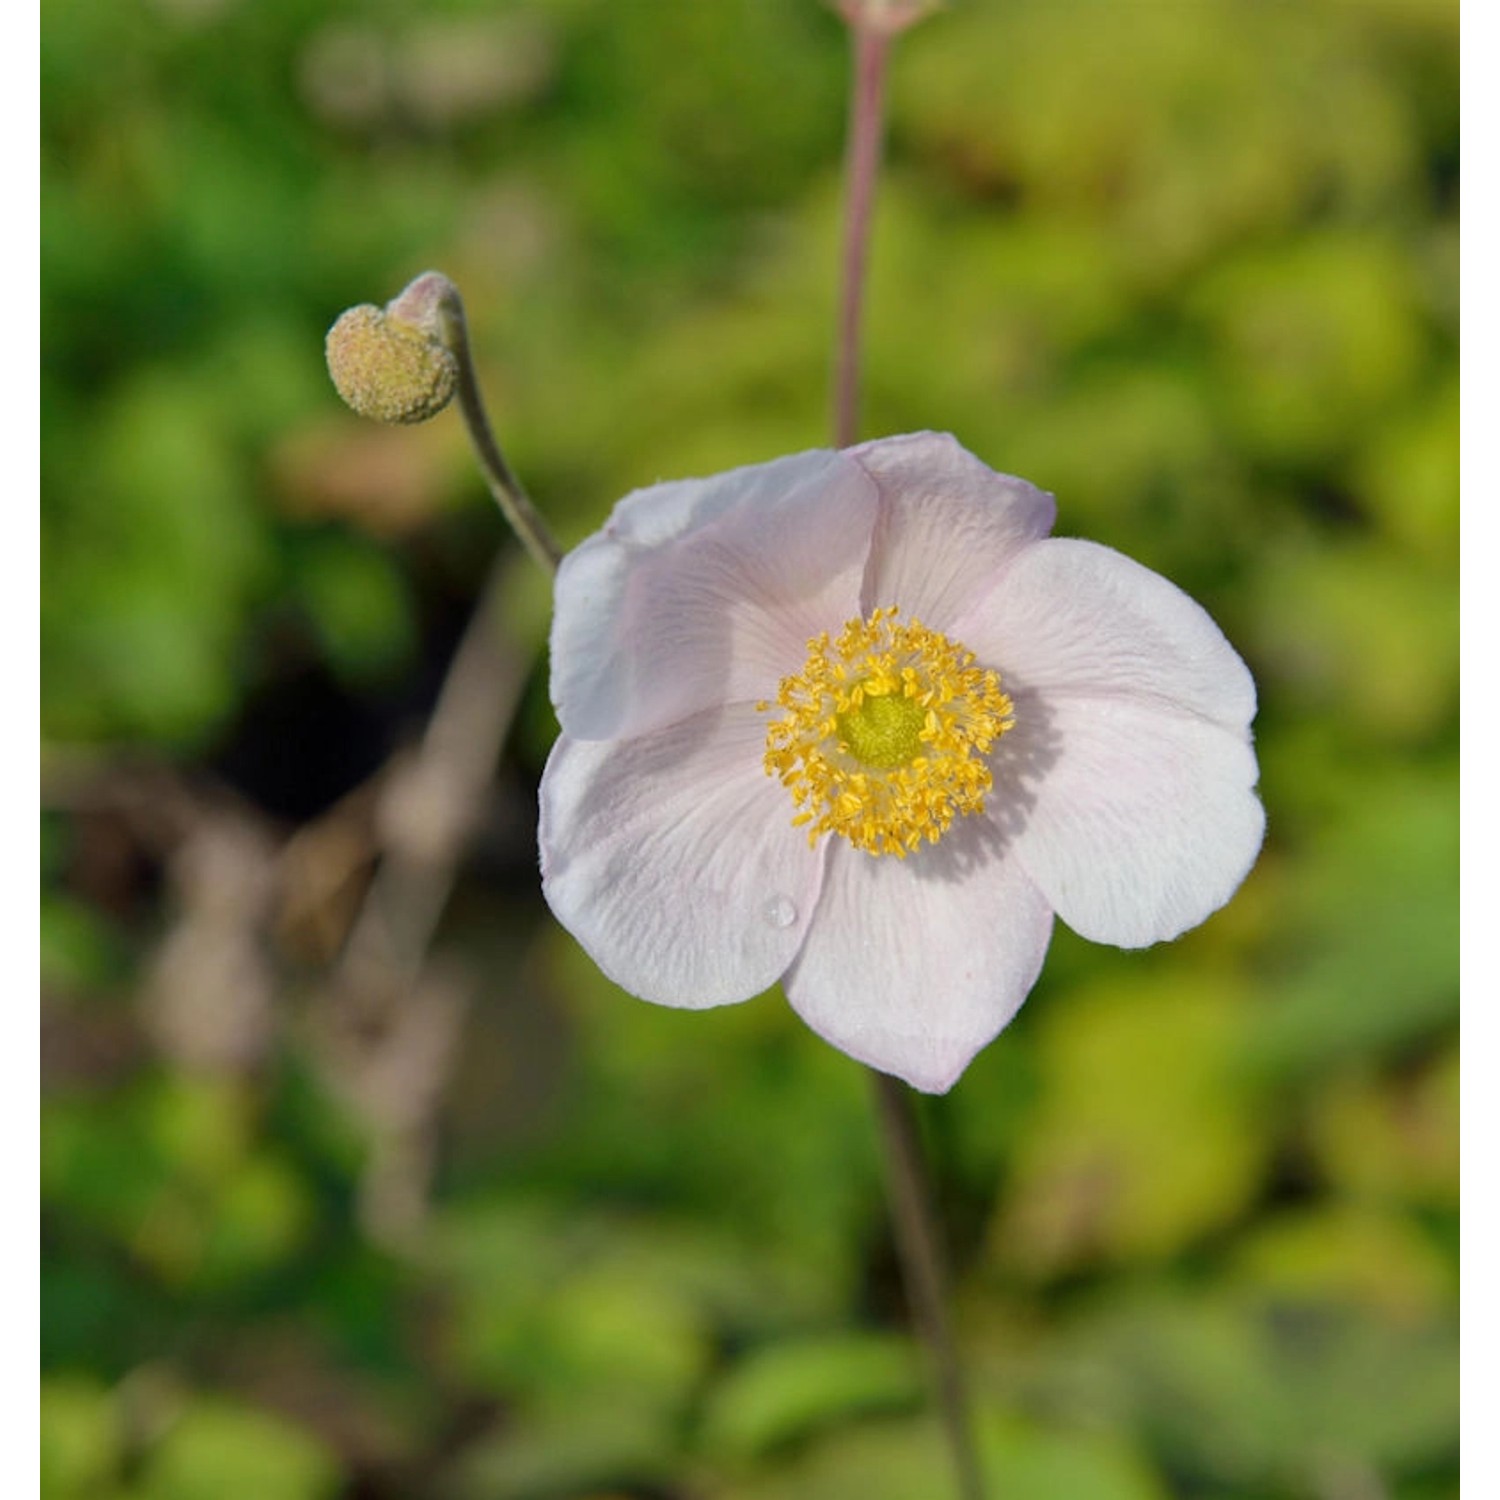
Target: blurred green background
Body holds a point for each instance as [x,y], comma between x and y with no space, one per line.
[433,1211]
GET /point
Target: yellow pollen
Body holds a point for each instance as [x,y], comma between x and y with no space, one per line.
[884,734]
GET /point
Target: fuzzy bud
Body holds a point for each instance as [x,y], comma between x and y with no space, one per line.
[395,364]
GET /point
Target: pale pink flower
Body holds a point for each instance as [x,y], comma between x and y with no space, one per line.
[854,721]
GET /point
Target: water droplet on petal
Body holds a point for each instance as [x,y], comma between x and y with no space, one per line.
[779,912]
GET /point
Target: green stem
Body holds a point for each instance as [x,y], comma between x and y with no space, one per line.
[434,306]
[909,1188]
[515,504]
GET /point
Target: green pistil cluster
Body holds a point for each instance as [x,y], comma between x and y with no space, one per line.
[883,731]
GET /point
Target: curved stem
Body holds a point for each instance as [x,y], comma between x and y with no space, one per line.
[509,494]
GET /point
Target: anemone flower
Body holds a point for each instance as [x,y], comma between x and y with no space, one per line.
[856,722]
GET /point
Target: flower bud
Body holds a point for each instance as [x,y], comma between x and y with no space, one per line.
[395,364]
[885,17]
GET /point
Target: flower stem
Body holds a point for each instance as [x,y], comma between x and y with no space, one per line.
[908,1184]
[910,1191]
[515,504]
[861,167]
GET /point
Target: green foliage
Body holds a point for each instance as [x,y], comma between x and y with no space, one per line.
[794,1387]
[357,602]
[80,1438]
[1256,1394]
[1103,1168]
[893,1460]
[217,1450]
[1370,927]
[1191,267]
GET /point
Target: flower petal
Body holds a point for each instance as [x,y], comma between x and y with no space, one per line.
[1136,820]
[1072,616]
[1127,785]
[913,965]
[706,591]
[673,860]
[949,525]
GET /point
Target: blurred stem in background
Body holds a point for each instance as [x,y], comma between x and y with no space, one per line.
[872,25]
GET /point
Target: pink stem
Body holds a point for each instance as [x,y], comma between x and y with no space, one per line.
[861,166]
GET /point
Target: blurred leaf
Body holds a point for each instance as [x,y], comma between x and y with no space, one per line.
[152,553]
[1351,1256]
[782,1392]
[262,1217]
[1145,1135]
[1368,958]
[898,1460]
[679,1104]
[1314,341]
[1407,473]
[80,1439]
[1153,475]
[1182,131]
[1392,1139]
[79,949]
[169,1171]
[1064,1465]
[202,1126]
[96,1162]
[219,1451]
[552,1310]
[1254,1392]
[1362,635]
[358,602]
[748,122]
[591,1450]
[96,1315]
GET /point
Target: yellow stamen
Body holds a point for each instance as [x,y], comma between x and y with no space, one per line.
[885,733]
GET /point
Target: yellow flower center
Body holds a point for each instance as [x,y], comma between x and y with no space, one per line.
[884,734]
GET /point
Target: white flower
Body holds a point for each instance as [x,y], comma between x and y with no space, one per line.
[854,721]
